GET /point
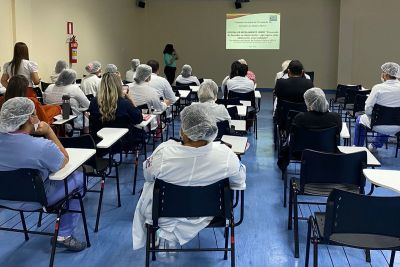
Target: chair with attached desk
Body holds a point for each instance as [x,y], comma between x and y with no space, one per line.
[340,96]
[320,173]
[251,110]
[26,185]
[357,221]
[44,85]
[213,200]
[380,116]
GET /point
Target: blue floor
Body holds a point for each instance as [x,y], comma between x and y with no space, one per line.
[262,239]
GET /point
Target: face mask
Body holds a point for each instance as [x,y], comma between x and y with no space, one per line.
[36,125]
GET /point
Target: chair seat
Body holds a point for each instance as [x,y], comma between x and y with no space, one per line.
[101,166]
[326,189]
[367,241]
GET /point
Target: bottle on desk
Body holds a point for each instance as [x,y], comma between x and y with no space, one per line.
[66,107]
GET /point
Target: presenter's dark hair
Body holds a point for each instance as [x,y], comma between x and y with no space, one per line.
[154,65]
[169,48]
[242,70]
[295,67]
[17,87]
[234,69]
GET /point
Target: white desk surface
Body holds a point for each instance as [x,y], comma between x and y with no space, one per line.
[242,110]
[240,125]
[257,94]
[245,103]
[238,143]
[184,93]
[60,120]
[77,156]
[145,123]
[110,136]
[344,133]
[194,88]
[389,179]
[371,160]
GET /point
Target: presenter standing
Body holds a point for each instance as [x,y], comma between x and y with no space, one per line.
[170,58]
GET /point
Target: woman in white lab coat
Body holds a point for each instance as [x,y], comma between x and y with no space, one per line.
[196,161]
[91,83]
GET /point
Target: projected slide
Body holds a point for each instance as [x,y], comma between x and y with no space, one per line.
[253,31]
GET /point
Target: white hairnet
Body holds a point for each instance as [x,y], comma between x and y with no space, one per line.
[242,61]
[186,71]
[315,100]
[143,72]
[285,64]
[135,63]
[111,68]
[197,124]
[14,113]
[66,77]
[60,66]
[93,67]
[208,91]
[391,68]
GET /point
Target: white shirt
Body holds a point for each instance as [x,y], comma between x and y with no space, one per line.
[53,95]
[187,80]
[162,87]
[25,69]
[130,76]
[91,84]
[240,84]
[143,94]
[385,94]
[182,165]
[219,112]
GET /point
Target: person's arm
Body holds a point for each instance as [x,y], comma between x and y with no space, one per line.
[134,113]
[33,69]
[168,92]
[4,79]
[236,172]
[371,100]
[81,98]
[35,78]
[152,165]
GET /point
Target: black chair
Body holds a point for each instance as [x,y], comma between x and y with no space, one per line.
[358,221]
[229,101]
[223,129]
[300,139]
[26,185]
[382,115]
[233,113]
[357,110]
[340,97]
[311,74]
[178,84]
[213,200]
[44,85]
[251,111]
[320,173]
[39,94]
[78,81]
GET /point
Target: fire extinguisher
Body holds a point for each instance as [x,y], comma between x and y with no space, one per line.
[73,50]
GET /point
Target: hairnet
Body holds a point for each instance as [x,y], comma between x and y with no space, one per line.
[285,64]
[135,63]
[14,113]
[66,77]
[208,91]
[197,124]
[60,66]
[315,100]
[186,71]
[242,61]
[143,72]
[111,68]
[391,68]
[93,67]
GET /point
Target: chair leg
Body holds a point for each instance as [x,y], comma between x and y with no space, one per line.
[367,255]
[392,255]
[315,253]
[54,241]
[21,213]
[153,241]
[290,218]
[147,247]
[232,243]
[39,224]
[83,214]
[103,179]
[136,171]
[226,234]
[118,191]
[308,243]
[284,187]
[296,226]
[397,146]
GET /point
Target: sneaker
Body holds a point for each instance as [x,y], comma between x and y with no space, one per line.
[72,244]
[372,148]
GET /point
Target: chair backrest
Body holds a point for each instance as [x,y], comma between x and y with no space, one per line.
[171,200]
[145,108]
[311,74]
[229,101]
[333,168]
[223,128]
[249,96]
[359,103]
[23,185]
[341,89]
[350,213]
[78,81]
[178,84]
[233,112]
[325,140]
[44,85]
[382,115]
[283,108]
[82,141]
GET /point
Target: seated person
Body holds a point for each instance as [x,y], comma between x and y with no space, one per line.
[186,76]
[385,94]
[196,161]
[65,85]
[142,93]
[240,83]
[284,73]
[249,74]
[130,74]
[207,96]
[159,83]
[60,66]
[234,72]
[91,83]
[18,149]
[112,104]
[2,88]
[17,87]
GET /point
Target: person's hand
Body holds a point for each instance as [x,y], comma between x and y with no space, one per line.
[43,129]
[167,102]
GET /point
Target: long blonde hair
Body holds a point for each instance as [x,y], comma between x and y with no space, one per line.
[107,97]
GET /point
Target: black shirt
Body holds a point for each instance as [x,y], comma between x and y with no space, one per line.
[318,120]
[292,89]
